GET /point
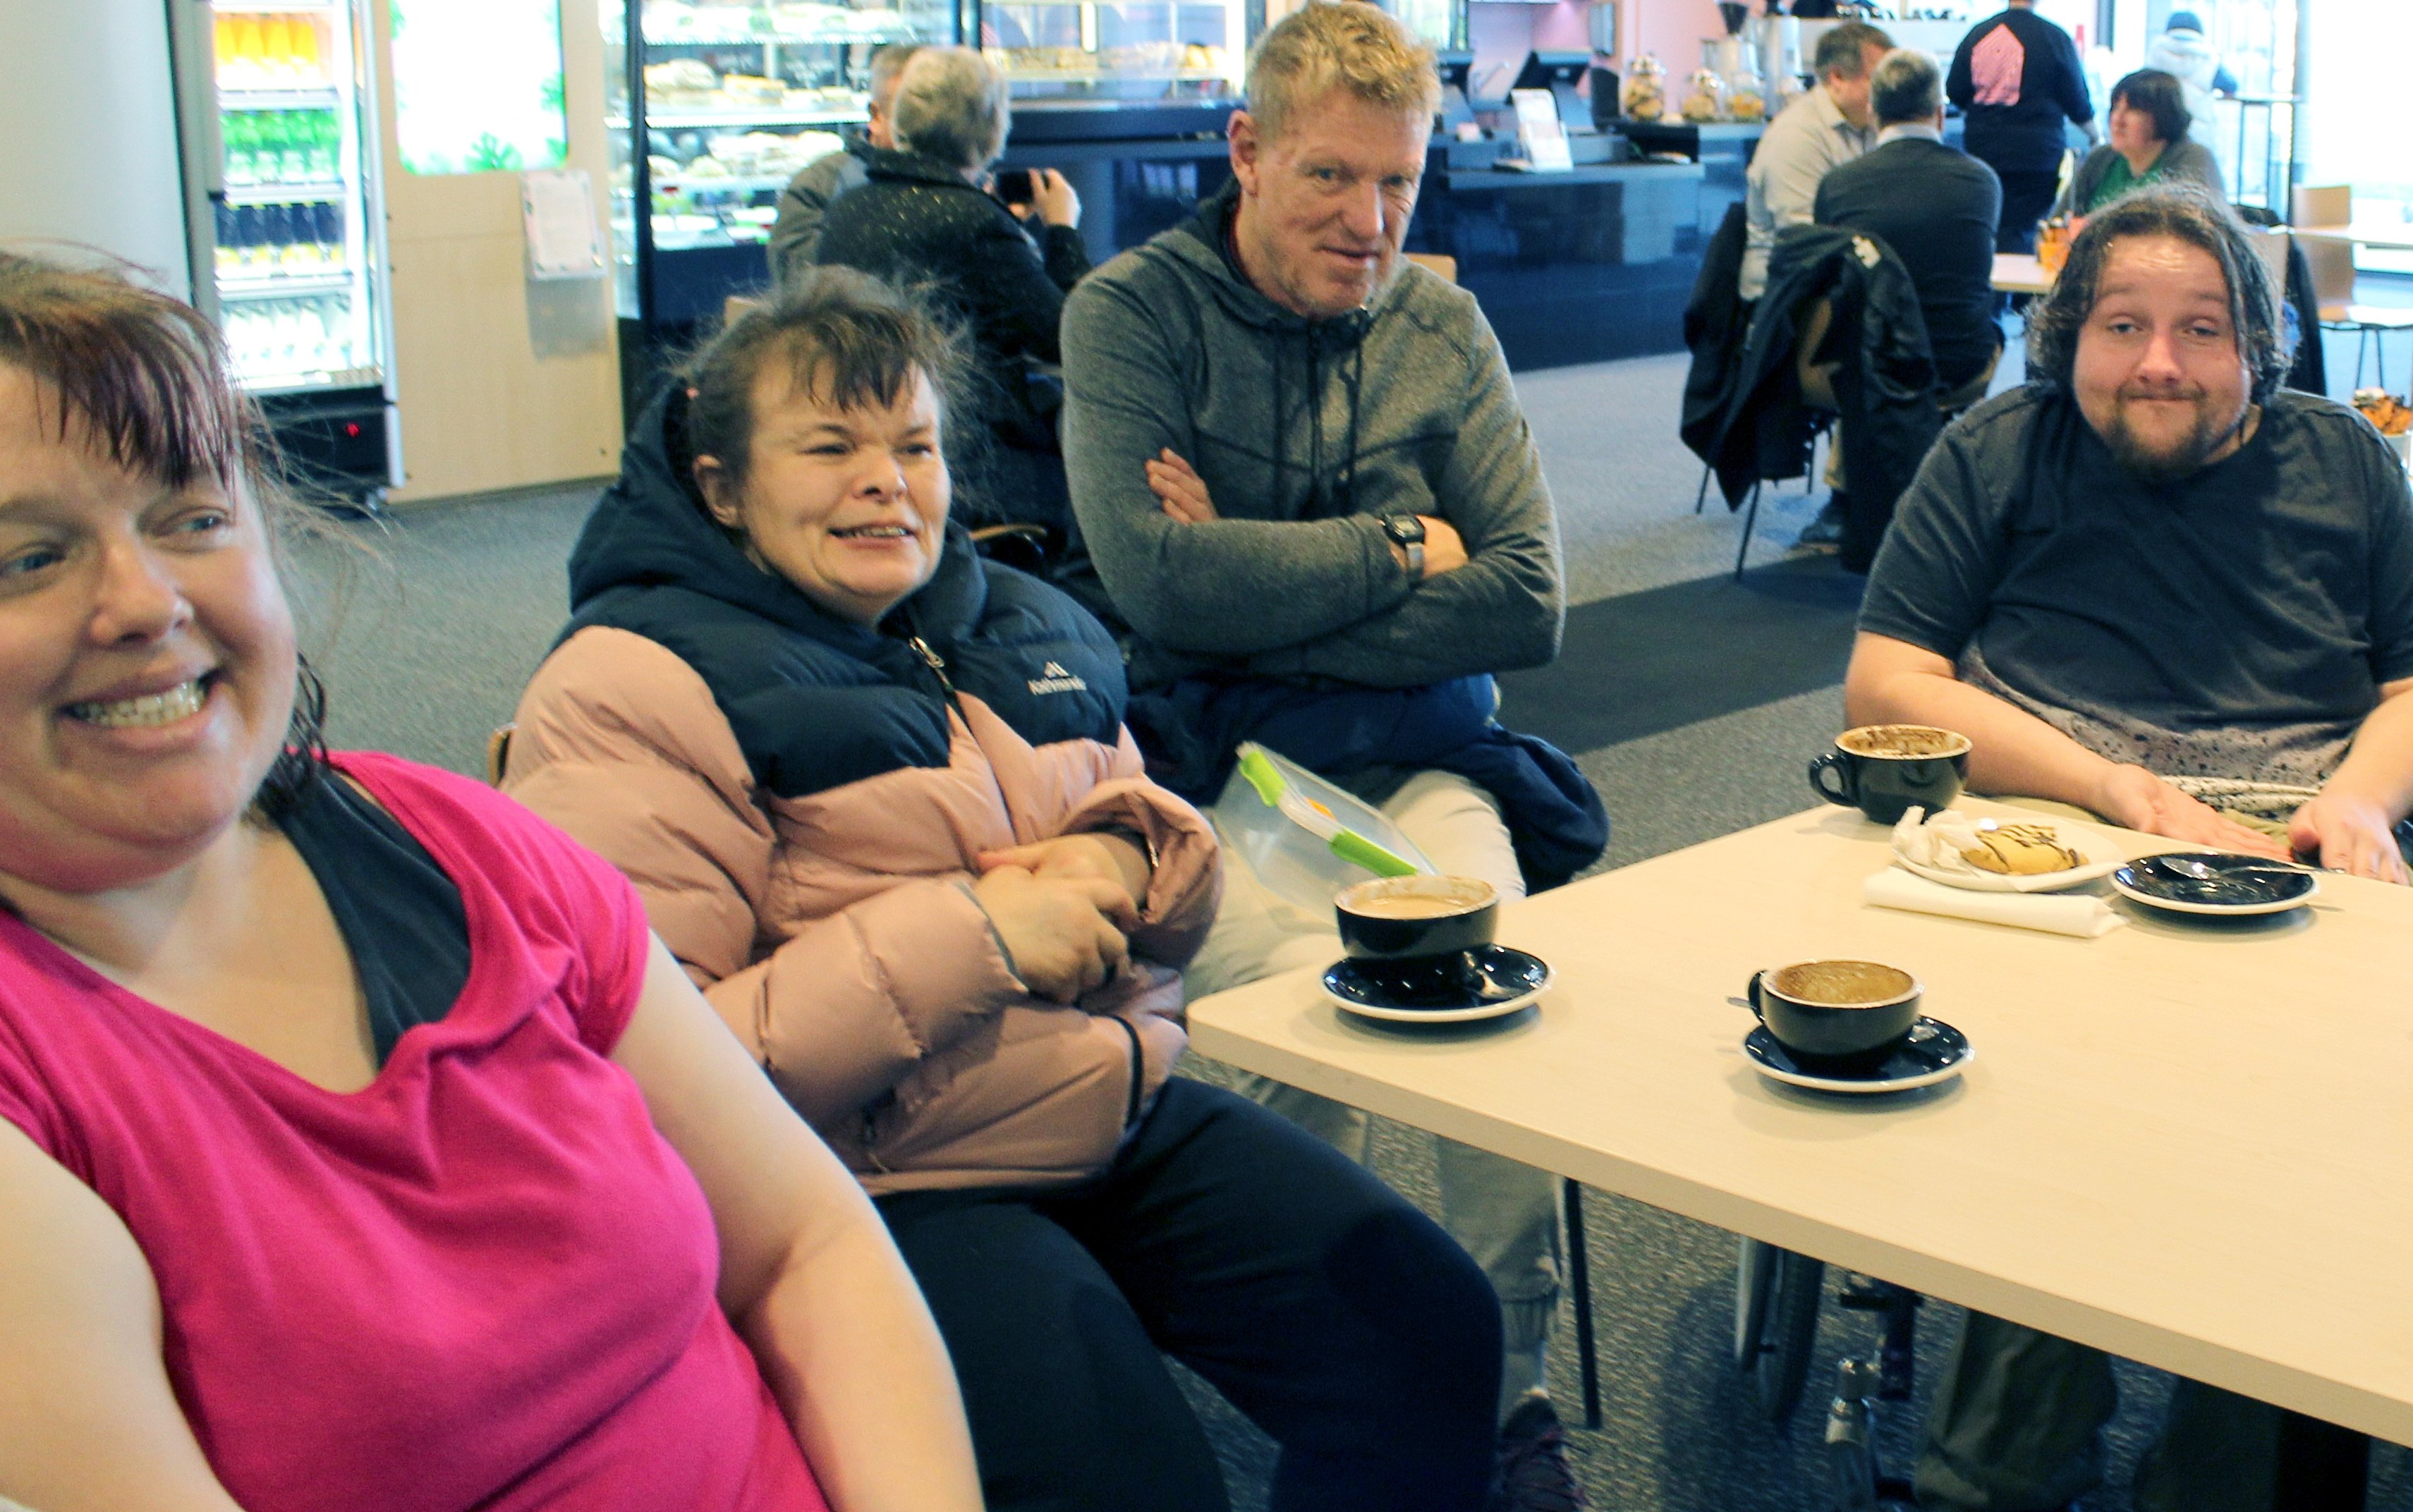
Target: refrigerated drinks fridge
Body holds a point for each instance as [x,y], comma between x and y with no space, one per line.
[287,222]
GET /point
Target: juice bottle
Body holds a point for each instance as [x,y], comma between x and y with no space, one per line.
[222,42]
[242,147]
[327,224]
[276,237]
[322,146]
[308,69]
[295,149]
[239,63]
[327,230]
[229,247]
[276,51]
[267,146]
[248,233]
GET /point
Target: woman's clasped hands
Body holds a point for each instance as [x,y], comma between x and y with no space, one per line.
[1063,909]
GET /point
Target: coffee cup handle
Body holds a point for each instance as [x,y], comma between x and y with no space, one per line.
[1752,992]
[1833,762]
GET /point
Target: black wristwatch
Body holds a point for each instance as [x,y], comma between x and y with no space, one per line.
[1407,532]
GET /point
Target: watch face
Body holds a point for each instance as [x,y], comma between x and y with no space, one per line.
[1404,528]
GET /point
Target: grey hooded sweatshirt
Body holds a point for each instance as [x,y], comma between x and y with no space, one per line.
[1305,432]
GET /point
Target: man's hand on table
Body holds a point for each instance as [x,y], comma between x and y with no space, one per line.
[2350,835]
[1183,495]
[2135,798]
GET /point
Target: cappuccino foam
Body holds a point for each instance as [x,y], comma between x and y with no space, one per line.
[1902,740]
[1842,984]
[1407,905]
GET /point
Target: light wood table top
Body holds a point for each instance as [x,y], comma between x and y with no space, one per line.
[2019,272]
[2394,234]
[2189,1145]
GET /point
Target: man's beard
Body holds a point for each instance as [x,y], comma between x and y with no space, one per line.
[2189,457]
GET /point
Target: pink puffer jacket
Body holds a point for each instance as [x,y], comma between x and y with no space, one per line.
[837,933]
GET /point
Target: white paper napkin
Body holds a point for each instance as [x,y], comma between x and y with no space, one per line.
[2060,914]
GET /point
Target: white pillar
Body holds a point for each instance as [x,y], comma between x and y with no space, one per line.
[88,112]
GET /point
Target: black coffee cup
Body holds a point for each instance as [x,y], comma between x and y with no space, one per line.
[1882,770]
[1410,935]
[1837,1015]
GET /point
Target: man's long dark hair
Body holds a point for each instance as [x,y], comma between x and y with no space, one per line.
[2189,214]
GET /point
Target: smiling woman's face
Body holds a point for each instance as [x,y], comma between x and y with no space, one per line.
[848,505]
[146,657]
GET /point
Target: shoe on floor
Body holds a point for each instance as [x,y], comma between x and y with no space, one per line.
[1534,1475]
[1827,529]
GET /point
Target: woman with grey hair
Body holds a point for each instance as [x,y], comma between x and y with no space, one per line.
[926,219]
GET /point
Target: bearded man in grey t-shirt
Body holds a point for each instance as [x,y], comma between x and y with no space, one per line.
[2152,566]
[2153,569]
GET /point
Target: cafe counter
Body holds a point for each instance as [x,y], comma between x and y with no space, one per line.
[1571,267]
[1590,264]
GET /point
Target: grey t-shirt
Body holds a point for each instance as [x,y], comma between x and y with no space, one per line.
[2238,623]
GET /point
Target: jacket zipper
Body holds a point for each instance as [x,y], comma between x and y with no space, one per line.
[938,665]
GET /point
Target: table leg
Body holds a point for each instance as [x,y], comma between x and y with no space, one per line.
[1580,1288]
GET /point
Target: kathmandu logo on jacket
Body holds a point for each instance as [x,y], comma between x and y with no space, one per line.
[1053,678]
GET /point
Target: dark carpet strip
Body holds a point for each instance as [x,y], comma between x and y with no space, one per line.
[1641,663]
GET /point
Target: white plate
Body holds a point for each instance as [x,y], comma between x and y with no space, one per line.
[2102,858]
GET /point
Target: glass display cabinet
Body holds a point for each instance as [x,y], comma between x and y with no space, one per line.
[1148,50]
[712,107]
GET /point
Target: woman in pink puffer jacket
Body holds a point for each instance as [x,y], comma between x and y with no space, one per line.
[879,800]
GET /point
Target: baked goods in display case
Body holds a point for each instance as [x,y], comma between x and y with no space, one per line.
[1705,99]
[1081,49]
[1646,89]
[738,97]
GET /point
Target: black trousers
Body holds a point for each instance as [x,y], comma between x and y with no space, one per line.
[2026,196]
[1337,1316]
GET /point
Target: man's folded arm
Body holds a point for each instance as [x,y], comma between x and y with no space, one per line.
[1217,588]
[1506,607]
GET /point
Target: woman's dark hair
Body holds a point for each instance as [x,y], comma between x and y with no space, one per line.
[148,377]
[2159,96]
[846,338]
[2189,214]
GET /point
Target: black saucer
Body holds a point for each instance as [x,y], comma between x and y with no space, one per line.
[2245,885]
[1501,981]
[1935,1051]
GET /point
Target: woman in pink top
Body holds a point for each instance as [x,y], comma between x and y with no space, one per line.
[360,1149]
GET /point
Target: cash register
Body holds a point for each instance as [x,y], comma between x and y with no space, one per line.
[1559,74]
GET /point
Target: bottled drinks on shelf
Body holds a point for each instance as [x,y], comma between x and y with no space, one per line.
[271,51]
[281,146]
[302,240]
[273,336]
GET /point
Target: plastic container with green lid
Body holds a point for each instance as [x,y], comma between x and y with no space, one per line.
[1305,838]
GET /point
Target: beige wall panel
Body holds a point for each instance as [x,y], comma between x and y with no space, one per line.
[479,408]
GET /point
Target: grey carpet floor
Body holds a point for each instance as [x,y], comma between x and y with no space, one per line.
[427,627]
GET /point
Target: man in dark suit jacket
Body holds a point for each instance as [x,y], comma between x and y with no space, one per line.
[1936,206]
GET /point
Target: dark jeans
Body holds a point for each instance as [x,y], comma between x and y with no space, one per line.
[2025,199]
[1337,1316]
